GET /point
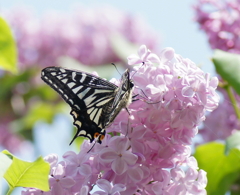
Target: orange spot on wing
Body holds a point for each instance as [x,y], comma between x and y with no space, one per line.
[96,134]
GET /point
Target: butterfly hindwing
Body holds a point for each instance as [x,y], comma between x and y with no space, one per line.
[85,127]
[95,102]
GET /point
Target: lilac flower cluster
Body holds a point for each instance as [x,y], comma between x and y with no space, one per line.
[220,20]
[85,35]
[149,151]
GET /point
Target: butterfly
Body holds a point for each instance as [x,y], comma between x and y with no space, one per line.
[94,102]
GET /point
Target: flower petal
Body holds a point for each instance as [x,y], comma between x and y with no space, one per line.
[84,190]
[153,58]
[136,174]
[108,155]
[59,171]
[119,166]
[118,188]
[67,182]
[129,158]
[187,91]
[134,59]
[142,50]
[57,189]
[104,185]
[85,170]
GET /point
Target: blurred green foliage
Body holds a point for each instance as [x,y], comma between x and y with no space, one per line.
[8,50]
[228,67]
[25,99]
[223,171]
[232,141]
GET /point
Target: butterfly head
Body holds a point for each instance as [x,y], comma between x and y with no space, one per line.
[127,83]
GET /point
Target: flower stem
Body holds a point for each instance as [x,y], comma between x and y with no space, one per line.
[10,191]
[233,100]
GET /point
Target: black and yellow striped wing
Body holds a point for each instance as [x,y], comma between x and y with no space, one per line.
[95,102]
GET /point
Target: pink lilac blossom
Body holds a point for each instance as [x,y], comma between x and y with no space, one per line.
[85,35]
[150,151]
[220,20]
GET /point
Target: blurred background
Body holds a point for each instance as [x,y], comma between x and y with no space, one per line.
[85,35]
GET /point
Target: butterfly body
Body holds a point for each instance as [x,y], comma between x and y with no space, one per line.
[124,94]
[95,102]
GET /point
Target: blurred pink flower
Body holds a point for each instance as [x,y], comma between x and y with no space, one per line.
[10,141]
[85,35]
[222,122]
[220,20]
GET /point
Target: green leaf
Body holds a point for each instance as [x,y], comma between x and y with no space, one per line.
[232,141]
[8,50]
[222,171]
[228,66]
[28,174]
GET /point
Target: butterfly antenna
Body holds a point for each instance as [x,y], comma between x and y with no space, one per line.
[116,68]
[136,70]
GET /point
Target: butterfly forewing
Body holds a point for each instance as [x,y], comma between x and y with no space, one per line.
[95,102]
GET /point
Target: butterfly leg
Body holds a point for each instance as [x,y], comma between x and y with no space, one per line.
[128,126]
[133,100]
[128,111]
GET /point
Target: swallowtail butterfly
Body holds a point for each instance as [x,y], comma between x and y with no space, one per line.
[95,102]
